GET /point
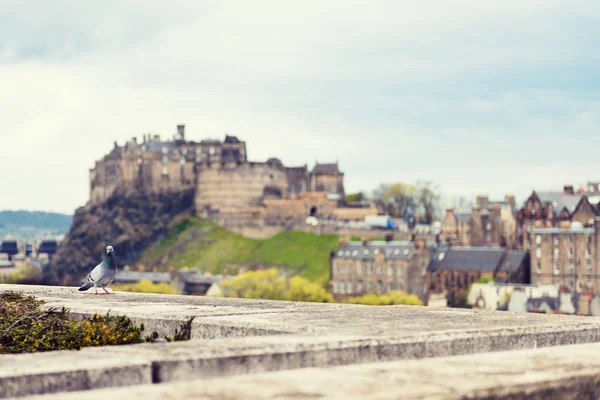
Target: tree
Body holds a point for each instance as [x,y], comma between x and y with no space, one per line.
[270,285]
[400,200]
[355,197]
[394,297]
[429,201]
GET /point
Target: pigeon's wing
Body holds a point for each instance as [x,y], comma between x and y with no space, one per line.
[107,277]
[95,275]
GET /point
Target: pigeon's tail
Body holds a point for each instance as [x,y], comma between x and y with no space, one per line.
[85,287]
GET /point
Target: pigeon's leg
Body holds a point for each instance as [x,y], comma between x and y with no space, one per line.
[107,292]
[96,289]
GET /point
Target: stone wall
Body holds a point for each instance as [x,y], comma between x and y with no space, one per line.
[243,186]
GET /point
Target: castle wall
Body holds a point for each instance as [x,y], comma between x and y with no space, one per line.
[243,186]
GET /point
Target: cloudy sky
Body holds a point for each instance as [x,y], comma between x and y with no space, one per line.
[479,96]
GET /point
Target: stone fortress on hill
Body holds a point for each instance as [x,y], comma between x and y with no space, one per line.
[242,195]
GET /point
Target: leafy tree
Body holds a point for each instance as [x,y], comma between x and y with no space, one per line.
[420,201]
[146,286]
[355,197]
[394,297]
[398,199]
[302,290]
[270,285]
[428,200]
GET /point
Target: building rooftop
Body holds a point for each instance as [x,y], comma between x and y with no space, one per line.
[560,200]
[468,259]
[326,169]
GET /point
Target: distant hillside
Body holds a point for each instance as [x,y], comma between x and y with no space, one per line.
[19,221]
[199,243]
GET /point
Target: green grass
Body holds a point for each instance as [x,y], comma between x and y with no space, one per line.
[198,243]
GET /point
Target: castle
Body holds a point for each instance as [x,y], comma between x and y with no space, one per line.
[228,188]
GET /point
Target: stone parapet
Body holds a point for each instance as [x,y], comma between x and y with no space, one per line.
[251,344]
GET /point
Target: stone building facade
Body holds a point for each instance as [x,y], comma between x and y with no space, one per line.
[220,173]
[379,267]
[567,256]
[453,269]
[554,210]
[487,223]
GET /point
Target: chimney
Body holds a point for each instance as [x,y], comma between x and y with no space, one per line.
[568,189]
[483,201]
[134,140]
[449,212]
[181,131]
[510,199]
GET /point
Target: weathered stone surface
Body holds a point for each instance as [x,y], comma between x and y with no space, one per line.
[222,317]
[66,371]
[253,337]
[565,372]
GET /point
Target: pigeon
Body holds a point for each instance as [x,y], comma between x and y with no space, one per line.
[103,274]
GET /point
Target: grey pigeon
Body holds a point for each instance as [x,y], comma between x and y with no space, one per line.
[103,274]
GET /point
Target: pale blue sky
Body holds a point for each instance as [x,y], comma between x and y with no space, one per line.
[481,97]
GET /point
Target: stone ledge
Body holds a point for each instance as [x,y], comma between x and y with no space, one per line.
[565,372]
[301,335]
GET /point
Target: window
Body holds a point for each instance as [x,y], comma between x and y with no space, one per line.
[400,287]
[579,286]
[556,268]
[556,253]
[538,252]
[349,287]
[571,268]
[335,267]
[359,287]
[571,286]
[342,288]
[389,289]
[571,252]
[539,267]
[589,240]
[588,253]
[379,287]
[538,239]
[390,270]
[359,268]
[399,271]
[570,238]
[555,238]
[369,287]
[369,268]
[589,267]
[378,269]
[335,287]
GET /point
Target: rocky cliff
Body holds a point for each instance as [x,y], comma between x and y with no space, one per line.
[130,222]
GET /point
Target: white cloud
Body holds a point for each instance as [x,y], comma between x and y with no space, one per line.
[477,97]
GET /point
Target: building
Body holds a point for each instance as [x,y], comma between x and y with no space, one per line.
[379,267]
[222,176]
[566,256]
[554,210]
[453,269]
[488,223]
[9,248]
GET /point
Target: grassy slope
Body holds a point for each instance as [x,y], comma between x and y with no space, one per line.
[202,244]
